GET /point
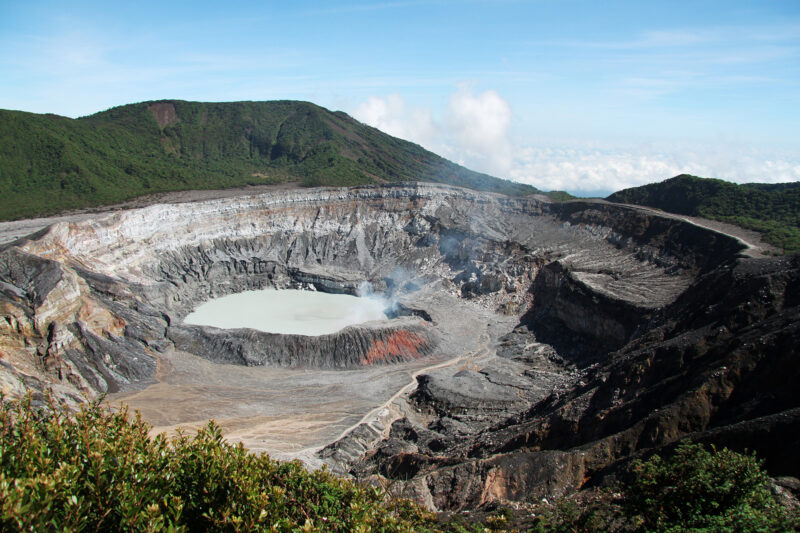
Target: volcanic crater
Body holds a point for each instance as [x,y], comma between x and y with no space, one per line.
[533,345]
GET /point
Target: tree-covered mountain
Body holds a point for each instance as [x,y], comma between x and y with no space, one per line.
[50,163]
[772,209]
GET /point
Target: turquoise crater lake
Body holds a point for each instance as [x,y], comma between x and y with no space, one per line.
[288,311]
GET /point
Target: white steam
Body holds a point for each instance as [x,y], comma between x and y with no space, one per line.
[374,300]
[399,282]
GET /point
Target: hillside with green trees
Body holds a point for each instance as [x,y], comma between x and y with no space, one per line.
[99,470]
[50,163]
[771,209]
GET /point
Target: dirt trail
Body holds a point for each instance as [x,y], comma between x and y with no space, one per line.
[394,408]
[483,350]
[752,240]
[267,408]
[293,413]
[756,247]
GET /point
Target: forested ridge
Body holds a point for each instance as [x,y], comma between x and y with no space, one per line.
[772,209]
[50,163]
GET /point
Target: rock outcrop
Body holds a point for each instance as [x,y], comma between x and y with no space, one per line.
[718,365]
[632,330]
[403,340]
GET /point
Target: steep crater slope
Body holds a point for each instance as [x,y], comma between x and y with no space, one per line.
[718,365]
[523,311]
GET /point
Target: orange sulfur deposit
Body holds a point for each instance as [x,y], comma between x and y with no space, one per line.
[400,345]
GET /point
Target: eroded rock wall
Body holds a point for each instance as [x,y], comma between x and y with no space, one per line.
[718,365]
[633,329]
[403,341]
[116,284]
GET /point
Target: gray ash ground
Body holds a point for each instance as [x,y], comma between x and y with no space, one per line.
[538,347]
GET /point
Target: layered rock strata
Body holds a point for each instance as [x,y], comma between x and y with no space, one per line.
[609,331]
[718,365]
[88,302]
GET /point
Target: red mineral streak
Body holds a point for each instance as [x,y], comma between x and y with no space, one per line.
[401,344]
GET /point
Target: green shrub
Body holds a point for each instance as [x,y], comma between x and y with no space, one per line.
[695,490]
[99,470]
[704,490]
[567,516]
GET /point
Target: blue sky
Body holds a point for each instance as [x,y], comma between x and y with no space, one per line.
[583,96]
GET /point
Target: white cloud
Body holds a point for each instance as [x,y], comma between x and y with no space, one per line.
[394,116]
[479,126]
[473,131]
[587,169]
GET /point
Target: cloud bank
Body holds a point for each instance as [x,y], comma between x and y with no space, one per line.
[583,169]
[478,124]
[474,130]
[394,116]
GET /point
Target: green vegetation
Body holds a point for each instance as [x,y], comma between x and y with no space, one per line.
[772,209]
[560,196]
[100,470]
[50,163]
[704,490]
[696,489]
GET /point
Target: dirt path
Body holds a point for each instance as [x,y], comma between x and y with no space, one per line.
[391,406]
[483,350]
[754,244]
[756,247]
[293,413]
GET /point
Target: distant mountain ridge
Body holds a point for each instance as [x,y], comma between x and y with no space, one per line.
[770,208]
[50,163]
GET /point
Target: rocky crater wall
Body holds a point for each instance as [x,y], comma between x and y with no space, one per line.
[402,341]
[597,332]
[88,304]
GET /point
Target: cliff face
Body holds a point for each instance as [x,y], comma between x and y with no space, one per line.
[404,340]
[117,284]
[718,365]
[632,330]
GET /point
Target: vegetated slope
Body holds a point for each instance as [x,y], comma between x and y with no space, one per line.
[97,469]
[100,470]
[50,163]
[772,209]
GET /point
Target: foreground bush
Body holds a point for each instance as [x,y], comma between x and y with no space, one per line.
[695,489]
[704,490]
[99,470]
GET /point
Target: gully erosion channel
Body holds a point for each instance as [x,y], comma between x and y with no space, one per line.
[486,306]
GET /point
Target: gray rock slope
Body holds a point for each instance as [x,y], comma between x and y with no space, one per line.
[632,330]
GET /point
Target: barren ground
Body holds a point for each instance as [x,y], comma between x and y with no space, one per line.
[292,413]
[14,229]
